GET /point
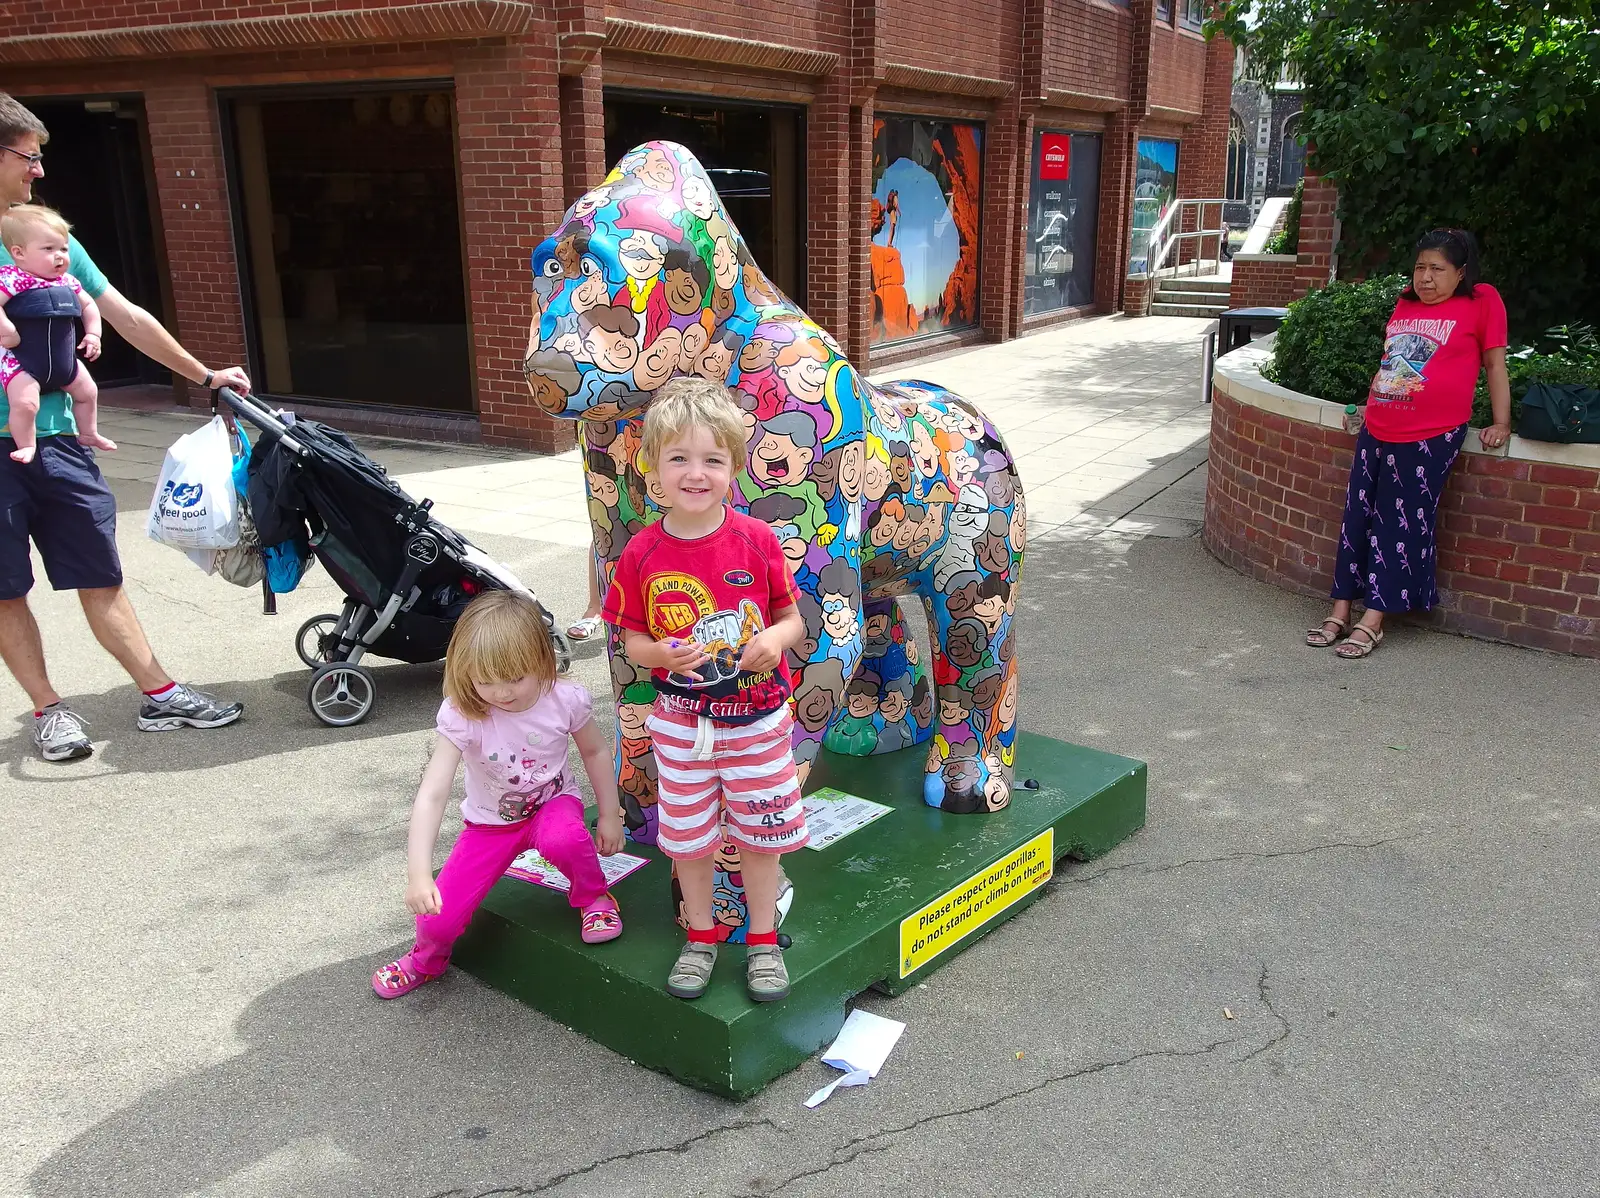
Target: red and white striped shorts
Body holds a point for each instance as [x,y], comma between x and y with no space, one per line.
[744,772]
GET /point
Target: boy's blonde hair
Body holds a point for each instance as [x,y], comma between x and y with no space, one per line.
[16,223]
[501,637]
[687,403]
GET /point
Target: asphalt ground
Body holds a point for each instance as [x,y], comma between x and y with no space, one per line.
[1352,952]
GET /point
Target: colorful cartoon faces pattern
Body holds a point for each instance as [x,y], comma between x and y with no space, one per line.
[874,493]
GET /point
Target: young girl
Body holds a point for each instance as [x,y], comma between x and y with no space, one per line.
[508,717]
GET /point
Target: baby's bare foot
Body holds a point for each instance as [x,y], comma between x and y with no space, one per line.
[96,441]
[23,455]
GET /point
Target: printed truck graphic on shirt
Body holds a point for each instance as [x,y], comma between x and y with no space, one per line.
[1408,348]
[723,635]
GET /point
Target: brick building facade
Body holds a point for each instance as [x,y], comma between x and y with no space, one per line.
[233,112]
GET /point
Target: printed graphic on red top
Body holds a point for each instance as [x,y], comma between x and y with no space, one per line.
[1432,354]
[718,591]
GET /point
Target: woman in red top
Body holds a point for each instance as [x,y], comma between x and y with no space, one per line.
[1446,327]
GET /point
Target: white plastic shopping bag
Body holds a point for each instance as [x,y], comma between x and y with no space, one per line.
[195,506]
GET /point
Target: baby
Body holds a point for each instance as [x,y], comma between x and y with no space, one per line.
[40,354]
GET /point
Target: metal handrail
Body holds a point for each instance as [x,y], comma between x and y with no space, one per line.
[1163,240]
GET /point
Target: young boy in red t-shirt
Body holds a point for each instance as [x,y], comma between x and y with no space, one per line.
[705,600]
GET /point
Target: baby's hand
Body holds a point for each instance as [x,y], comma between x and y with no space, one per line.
[89,347]
[10,338]
[761,652]
[422,897]
[681,657]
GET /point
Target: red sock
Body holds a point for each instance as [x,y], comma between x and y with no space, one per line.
[708,936]
[162,691]
[757,939]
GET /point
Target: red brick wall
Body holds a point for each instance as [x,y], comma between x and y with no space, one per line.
[1087,47]
[1519,541]
[943,35]
[788,22]
[1319,205]
[1178,70]
[1263,284]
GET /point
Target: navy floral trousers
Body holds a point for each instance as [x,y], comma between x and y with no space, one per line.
[1387,544]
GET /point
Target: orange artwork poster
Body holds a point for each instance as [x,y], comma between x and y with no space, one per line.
[927,179]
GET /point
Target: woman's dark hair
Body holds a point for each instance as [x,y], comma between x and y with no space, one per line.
[1460,249]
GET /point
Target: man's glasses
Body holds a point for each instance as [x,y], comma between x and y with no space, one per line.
[30,159]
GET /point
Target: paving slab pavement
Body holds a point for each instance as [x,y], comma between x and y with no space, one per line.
[1382,870]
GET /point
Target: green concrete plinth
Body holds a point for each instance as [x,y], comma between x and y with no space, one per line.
[850,899]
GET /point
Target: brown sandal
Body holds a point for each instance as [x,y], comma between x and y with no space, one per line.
[1352,648]
[1320,638]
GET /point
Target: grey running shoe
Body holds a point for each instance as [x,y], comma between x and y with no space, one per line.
[691,974]
[60,736]
[183,706]
[766,977]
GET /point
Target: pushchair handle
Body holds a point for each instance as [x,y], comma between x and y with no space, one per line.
[262,417]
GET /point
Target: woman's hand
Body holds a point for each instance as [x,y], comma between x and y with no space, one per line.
[608,831]
[1495,435]
[422,897]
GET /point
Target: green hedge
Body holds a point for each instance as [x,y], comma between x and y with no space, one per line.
[1332,342]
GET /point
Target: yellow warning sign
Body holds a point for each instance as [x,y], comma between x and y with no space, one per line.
[962,910]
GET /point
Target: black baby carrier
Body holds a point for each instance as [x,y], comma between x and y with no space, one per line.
[47,321]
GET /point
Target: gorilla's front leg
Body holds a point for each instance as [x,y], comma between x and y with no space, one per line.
[975,668]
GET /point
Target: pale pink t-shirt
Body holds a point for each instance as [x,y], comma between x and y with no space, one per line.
[517,760]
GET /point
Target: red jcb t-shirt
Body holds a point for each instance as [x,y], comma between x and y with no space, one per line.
[1431,357]
[720,591]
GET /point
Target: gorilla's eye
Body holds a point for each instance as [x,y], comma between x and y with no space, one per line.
[552,268]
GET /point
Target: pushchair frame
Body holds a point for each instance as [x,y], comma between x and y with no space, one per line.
[342,691]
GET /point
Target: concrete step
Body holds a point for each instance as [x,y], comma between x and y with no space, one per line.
[1208,311]
[1217,286]
[1205,299]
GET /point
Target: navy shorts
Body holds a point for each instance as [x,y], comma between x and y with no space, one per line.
[61,501]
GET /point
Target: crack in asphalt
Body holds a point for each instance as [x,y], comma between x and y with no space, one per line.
[866,1145]
[551,1183]
[1264,989]
[1254,855]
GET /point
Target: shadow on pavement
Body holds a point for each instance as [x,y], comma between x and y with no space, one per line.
[276,720]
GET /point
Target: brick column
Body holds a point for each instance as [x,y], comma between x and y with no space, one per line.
[1117,148]
[1203,152]
[583,131]
[1319,233]
[1001,223]
[1143,12]
[509,131]
[192,199]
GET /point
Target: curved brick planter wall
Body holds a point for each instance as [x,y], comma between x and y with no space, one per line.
[1519,539]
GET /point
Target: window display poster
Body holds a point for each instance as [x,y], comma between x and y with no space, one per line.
[927,188]
[1155,186]
[1063,222]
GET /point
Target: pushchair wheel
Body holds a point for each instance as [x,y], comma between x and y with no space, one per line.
[316,639]
[341,694]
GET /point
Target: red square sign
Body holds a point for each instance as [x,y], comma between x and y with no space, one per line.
[1055,155]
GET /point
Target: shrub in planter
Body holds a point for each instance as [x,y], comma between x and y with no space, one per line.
[1332,341]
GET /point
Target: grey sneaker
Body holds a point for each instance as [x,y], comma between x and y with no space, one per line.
[186,706]
[59,735]
[766,977]
[692,973]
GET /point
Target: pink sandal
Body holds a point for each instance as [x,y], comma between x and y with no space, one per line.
[602,920]
[400,977]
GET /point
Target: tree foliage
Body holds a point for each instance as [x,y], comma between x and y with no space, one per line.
[1480,114]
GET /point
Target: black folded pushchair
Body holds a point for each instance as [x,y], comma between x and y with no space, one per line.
[406,577]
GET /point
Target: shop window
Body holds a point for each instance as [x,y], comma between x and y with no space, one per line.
[753,155]
[1063,218]
[927,189]
[1292,155]
[352,239]
[1155,187]
[1164,11]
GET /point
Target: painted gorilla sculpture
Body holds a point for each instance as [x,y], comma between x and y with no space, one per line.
[875,492]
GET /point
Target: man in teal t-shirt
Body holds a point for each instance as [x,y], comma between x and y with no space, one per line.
[62,504]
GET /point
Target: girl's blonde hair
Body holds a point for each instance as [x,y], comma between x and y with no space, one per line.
[16,223]
[501,637]
[687,403]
